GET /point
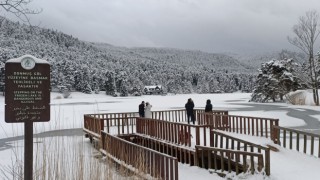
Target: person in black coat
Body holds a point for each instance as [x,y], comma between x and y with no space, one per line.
[141,109]
[189,108]
[208,106]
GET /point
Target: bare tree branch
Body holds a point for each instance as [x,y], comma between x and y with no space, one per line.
[19,9]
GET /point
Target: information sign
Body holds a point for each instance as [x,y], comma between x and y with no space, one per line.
[27,90]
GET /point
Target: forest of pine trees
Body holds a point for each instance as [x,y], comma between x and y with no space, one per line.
[91,67]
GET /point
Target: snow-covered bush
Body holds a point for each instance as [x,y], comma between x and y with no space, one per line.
[296,98]
[66,94]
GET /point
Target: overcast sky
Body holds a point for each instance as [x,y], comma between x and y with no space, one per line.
[209,25]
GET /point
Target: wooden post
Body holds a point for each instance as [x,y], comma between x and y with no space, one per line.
[28,150]
[197,136]
[267,161]
[275,134]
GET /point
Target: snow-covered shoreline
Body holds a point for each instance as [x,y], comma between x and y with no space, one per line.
[68,114]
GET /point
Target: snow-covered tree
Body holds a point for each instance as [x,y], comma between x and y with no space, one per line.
[306,33]
[110,85]
[275,79]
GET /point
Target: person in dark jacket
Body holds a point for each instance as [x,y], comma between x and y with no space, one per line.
[208,106]
[189,108]
[141,109]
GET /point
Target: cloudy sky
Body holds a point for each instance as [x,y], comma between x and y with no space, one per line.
[246,26]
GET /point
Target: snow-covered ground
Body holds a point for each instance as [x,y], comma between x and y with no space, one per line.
[68,114]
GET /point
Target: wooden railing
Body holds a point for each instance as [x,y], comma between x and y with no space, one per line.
[215,122]
[128,118]
[230,160]
[221,140]
[121,125]
[178,133]
[285,137]
[113,117]
[143,159]
[119,119]
[93,125]
[182,153]
[255,126]
[180,115]
[125,123]
[204,118]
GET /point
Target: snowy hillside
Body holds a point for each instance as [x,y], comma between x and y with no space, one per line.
[255,60]
[87,67]
[218,62]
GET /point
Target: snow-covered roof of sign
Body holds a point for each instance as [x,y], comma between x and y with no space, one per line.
[152,86]
[18,60]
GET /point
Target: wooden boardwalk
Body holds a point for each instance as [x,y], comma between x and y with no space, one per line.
[168,134]
[166,139]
